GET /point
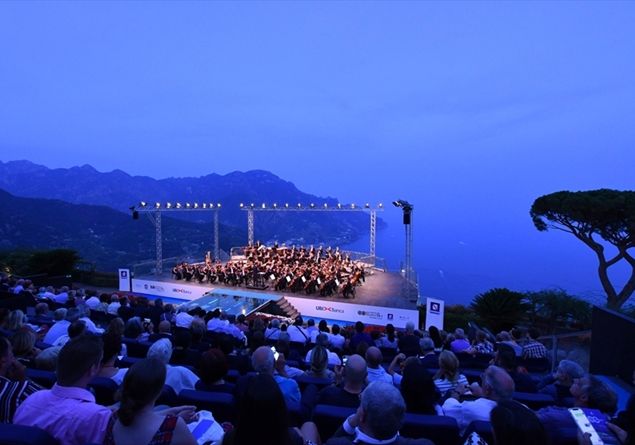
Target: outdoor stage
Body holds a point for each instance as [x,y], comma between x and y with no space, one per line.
[381,299]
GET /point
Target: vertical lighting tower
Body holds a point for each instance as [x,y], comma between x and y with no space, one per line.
[407,209]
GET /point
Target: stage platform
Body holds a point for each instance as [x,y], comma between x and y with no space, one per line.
[381,299]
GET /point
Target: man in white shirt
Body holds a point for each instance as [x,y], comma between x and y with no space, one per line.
[183,319]
[61,327]
[177,377]
[62,296]
[336,340]
[297,333]
[114,305]
[496,385]
[273,330]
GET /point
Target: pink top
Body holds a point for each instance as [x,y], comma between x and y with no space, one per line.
[67,413]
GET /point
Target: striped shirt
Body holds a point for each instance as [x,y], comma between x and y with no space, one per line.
[12,394]
[444,385]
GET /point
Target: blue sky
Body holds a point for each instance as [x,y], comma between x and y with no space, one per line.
[469,110]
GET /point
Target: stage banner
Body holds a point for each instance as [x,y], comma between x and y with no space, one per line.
[434,313]
[124,280]
[374,315]
[167,289]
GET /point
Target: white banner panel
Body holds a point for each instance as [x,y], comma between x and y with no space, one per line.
[172,290]
[124,280]
[434,313]
[334,310]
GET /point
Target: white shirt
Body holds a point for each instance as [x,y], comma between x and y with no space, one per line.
[337,341]
[57,330]
[466,412]
[114,307]
[61,298]
[93,303]
[183,320]
[272,333]
[297,334]
[91,326]
[179,378]
[378,374]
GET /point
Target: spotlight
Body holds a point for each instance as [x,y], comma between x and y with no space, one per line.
[381,205]
[157,205]
[252,205]
[367,205]
[196,205]
[299,205]
[242,205]
[397,203]
[178,205]
[312,205]
[264,206]
[286,205]
[204,205]
[326,206]
[168,205]
[339,205]
[218,205]
[275,205]
[352,205]
[187,205]
[143,204]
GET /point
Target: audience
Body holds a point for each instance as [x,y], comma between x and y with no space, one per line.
[460,344]
[177,377]
[418,390]
[448,376]
[515,424]
[378,419]
[68,411]
[137,422]
[409,342]
[213,369]
[14,388]
[263,362]
[112,348]
[346,393]
[559,383]
[376,371]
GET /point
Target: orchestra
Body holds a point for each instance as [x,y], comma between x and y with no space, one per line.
[295,269]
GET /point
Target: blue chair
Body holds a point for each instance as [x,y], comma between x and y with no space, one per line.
[222,405]
[329,418]
[534,401]
[442,430]
[167,397]
[24,435]
[104,389]
[44,378]
[305,380]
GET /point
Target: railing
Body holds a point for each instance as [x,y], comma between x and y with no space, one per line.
[574,346]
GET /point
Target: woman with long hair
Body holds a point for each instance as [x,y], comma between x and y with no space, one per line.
[263,418]
[418,389]
[136,422]
[448,376]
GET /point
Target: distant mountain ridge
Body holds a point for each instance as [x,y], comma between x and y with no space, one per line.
[100,234]
[119,190]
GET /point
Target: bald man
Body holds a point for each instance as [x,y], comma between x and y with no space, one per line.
[376,372]
[496,385]
[347,393]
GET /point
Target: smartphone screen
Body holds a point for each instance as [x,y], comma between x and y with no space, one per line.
[593,421]
[275,353]
[201,428]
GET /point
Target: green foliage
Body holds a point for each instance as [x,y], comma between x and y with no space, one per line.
[52,262]
[500,309]
[457,316]
[553,309]
[606,214]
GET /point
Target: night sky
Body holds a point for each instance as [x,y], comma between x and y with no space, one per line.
[468,110]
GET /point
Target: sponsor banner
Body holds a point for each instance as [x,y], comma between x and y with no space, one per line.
[124,280]
[434,313]
[167,289]
[334,310]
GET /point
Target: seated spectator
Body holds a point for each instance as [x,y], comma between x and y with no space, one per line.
[336,340]
[213,369]
[241,323]
[198,342]
[323,340]
[460,343]
[435,335]
[376,371]
[558,384]
[359,337]
[14,387]
[532,347]
[183,319]
[263,418]
[273,330]
[62,296]
[42,316]
[318,364]
[496,385]
[507,339]
[94,304]
[90,324]
[448,376]
[378,419]
[505,357]
[112,348]
[346,393]
[388,339]
[409,342]
[68,411]
[515,424]
[134,330]
[164,331]
[23,344]
[16,321]
[429,358]
[177,377]
[296,332]
[587,392]
[136,421]
[113,307]
[263,362]
[117,327]
[419,391]
[76,329]
[61,326]
[481,344]
[125,311]
[283,348]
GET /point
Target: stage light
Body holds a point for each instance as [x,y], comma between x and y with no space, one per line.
[157,205]
[204,205]
[264,206]
[218,205]
[312,205]
[367,205]
[352,205]
[178,205]
[196,205]
[187,205]
[339,205]
[252,205]
[326,206]
[397,203]
[143,204]
[299,205]
[381,205]
[168,205]
[242,205]
[275,205]
[286,205]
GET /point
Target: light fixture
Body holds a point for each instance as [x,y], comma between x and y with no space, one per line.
[381,205]
[196,205]
[168,205]
[286,204]
[326,206]
[204,205]
[264,206]
[299,205]
[312,205]
[157,205]
[242,205]
[352,205]
[178,205]
[367,205]
[187,205]
[143,204]
[339,205]
[218,205]
[275,205]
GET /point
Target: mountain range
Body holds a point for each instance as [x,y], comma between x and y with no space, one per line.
[88,210]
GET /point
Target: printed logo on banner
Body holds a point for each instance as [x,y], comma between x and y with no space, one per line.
[328,309]
[124,274]
[370,314]
[390,316]
[435,308]
[182,291]
[145,286]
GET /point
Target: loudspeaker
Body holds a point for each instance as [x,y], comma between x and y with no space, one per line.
[135,214]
